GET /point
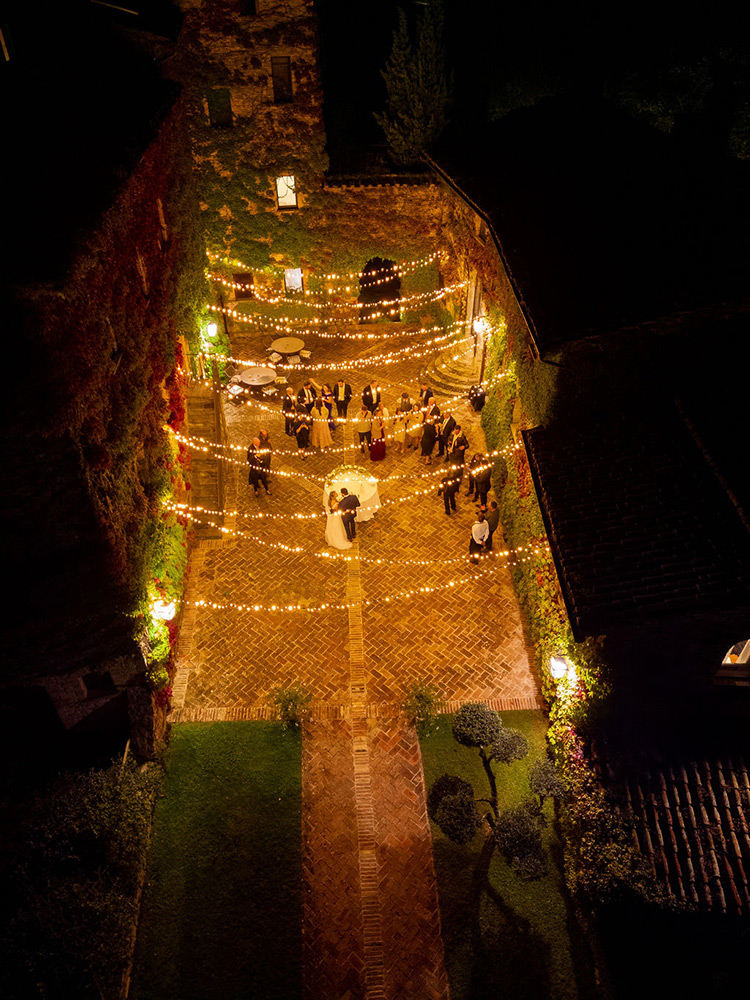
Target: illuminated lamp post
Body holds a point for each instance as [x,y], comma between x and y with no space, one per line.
[558,667]
[211,330]
[165,610]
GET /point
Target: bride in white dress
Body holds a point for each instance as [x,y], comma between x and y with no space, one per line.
[335,531]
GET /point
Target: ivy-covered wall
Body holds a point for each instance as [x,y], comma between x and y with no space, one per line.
[102,349]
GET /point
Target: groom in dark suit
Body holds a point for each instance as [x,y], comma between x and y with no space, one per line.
[349,503]
[371,396]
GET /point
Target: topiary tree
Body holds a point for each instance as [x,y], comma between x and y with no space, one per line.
[516,832]
[545,782]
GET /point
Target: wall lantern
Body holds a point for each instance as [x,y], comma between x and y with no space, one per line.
[480,325]
[164,610]
[558,667]
[211,330]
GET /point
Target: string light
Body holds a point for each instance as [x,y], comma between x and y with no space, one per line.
[291,327]
[353,420]
[202,444]
[300,550]
[399,268]
[417,298]
[183,509]
[383,359]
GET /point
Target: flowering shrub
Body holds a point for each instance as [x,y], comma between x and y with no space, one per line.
[600,861]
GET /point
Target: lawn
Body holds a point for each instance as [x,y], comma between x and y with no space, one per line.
[222,908]
[532,943]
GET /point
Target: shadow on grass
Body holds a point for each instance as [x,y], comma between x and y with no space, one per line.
[510,958]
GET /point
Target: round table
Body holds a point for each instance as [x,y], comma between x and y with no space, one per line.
[287,345]
[253,378]
[358,481]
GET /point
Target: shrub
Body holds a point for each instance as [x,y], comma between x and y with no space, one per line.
[447,784]
[509,746]
[420,706]
[76,885]
[519,836]
[476,725]
[545,782]
[291,704]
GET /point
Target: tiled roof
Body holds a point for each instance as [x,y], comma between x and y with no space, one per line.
[690,821]
[639,527]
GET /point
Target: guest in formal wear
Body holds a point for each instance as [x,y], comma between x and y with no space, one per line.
[483,481]
[307,395]
[429,436]
[414,427]
[405,403]
[446,430]
[288,408]
[399,432]
[457,450]
[348,504]
[302,423]
[425,395]
[371,396]
[476,461]
[265,452]
[448,490]
[342,394]
[257,475]
[327,399]
[378,430]
[480,532]
[320,435]
[493,519]
[363,427]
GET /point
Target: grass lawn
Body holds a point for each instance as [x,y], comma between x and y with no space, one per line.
[222,908]
[533,946]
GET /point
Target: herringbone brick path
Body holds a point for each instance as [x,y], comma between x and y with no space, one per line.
[333,942]
[371,918]
[412,945]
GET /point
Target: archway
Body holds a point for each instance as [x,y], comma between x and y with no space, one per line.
[379,286]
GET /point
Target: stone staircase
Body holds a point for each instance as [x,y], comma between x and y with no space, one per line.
[205,473]
[449,375]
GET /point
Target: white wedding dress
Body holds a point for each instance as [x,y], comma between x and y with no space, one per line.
[336,532]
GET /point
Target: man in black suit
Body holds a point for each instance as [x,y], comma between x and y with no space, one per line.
[349,503]
[426,395]
[445,434]
[371,397]
[307,395]
[448,489]
[456,449]
[342,394]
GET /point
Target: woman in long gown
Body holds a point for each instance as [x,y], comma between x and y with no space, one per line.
[335,530]
[327,396]
[429,437]
[414,427]
[320,436]
[377,448]
[399,432]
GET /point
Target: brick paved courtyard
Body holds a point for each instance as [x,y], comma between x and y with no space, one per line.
[371,926]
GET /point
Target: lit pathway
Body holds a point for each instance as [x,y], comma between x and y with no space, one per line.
[371,918]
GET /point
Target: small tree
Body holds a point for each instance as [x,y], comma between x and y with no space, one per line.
[418,86]
[516,832]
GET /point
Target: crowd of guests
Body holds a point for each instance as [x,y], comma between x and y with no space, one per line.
[312,414]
